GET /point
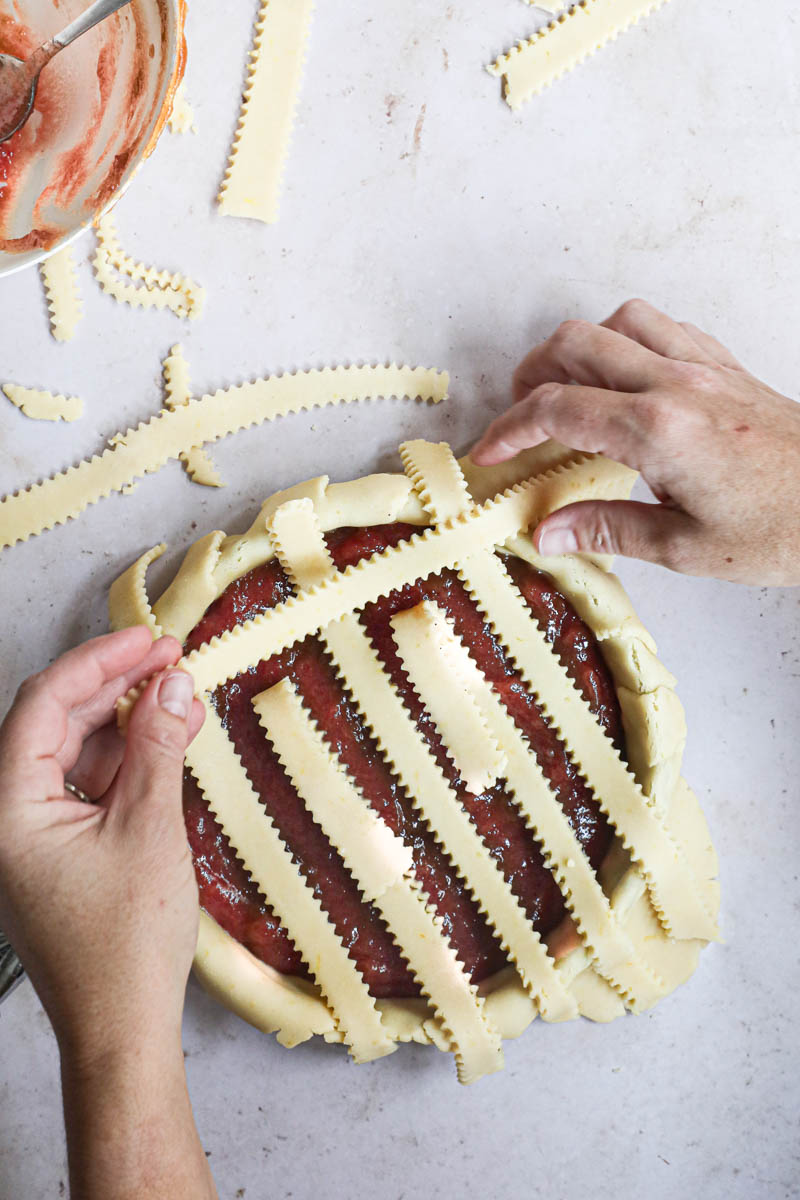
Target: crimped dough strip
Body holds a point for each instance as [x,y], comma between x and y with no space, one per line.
[252,183]
[60,281]
[533,65]
[160,289]
[143,450]
[466,738]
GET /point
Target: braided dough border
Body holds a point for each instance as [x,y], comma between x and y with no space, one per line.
[651,712]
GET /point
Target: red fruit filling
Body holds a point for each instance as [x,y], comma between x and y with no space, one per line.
[226,891]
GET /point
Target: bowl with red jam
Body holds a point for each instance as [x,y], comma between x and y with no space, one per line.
[99,109]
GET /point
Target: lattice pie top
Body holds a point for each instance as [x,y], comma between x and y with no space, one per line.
[640,922]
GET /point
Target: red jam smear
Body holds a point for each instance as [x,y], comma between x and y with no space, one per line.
[226,891]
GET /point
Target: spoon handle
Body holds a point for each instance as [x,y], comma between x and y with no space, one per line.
[94,13]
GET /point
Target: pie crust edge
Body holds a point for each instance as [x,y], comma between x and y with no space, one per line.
[652,716]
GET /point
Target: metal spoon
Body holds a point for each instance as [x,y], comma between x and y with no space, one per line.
[18,79]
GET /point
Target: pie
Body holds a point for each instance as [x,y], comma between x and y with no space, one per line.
[437,792]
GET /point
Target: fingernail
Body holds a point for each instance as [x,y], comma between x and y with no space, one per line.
[175,694]
[557,541]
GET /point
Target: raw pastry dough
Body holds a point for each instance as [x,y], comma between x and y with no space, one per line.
[143,450]
[63,297]
[160,289]
[177,391]
[640,925]
[252,183]
[181,117]
[533,65]
[44,406]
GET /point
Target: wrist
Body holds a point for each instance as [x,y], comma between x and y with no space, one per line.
[121,1051]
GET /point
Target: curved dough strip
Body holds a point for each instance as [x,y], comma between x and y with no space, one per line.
[161,289]
[127,601]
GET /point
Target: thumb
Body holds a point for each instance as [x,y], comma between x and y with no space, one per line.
[157,736]
[652,532]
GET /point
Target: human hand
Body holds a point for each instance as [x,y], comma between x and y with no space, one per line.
[719,449]
[100,900]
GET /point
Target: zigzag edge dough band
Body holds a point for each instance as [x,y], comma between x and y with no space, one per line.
[252,183]
[659,962]
[531,66]
[146,448]
[60,281]
[159,289]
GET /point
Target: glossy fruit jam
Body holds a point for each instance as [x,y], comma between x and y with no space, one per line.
[226,891]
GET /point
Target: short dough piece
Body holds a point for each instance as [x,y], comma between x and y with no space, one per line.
[44,406]
[63,297]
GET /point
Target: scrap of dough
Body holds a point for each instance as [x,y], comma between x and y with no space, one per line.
[177,391]
[44,406]
[161,289]
[63,297]
[533,65]
[252,183]
[181,118]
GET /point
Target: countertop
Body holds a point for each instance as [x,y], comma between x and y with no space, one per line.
[424,221]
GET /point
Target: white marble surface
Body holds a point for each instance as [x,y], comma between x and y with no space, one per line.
[667,166]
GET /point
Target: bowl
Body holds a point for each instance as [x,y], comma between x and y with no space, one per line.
[100,107]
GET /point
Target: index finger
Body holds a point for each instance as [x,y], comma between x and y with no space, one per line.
[591,420]
[589,354]
[41,711]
